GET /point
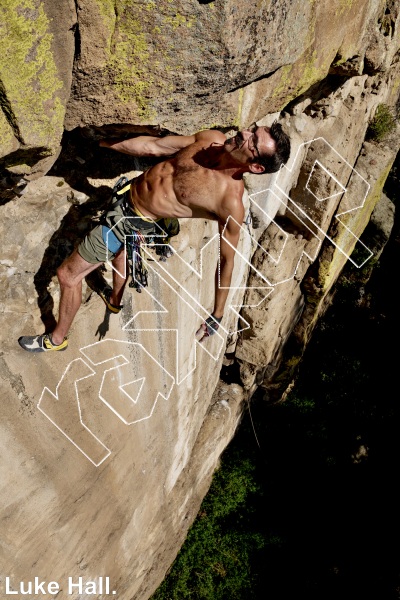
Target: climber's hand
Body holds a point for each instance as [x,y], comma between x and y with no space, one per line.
[209,327]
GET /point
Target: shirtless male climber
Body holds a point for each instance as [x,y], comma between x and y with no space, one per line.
[201,177]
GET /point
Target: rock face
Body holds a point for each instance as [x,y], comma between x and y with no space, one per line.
[37,49]
[110,447]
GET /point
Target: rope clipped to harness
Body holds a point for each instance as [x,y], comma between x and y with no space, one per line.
[137,262]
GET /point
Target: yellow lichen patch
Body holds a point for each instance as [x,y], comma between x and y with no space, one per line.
[285,77]
[238,120]
[107,12]
[129,63]
[297,78]
[357,220]
[7,140]
[312,70]
[29,73]
[178,20]
[343,6]
[291,80]
[342,57]
[350,229]
[326,273]
[142,58]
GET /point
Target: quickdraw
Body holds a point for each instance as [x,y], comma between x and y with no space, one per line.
[137,261]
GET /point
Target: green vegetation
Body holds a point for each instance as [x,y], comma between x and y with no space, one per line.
[382,124]
[214,562]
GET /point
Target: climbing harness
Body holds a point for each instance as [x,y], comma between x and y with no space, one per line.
[137,231]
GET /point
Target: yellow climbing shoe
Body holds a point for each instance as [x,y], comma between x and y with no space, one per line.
[41,343]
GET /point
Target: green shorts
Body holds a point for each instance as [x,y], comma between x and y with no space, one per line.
[94,249]
[107,239]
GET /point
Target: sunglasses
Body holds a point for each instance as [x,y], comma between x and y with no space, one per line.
[252,140]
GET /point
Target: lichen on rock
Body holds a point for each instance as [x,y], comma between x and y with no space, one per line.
[28,73]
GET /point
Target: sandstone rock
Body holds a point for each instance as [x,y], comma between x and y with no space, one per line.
[37,49]
[110,446]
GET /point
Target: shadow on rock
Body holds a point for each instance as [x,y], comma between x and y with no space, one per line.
[82,157]
[79,220]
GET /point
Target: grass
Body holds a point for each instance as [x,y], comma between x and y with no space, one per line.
[215,561]
[382,124]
